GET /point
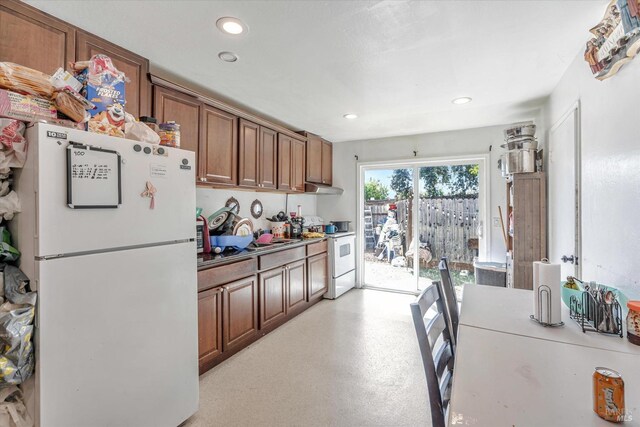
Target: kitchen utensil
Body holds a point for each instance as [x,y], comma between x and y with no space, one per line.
[330,229]
[218,218]
[526,143]
[198,212]
[520,129]
[341,226]
[244,227]
[265,238]
[520,161]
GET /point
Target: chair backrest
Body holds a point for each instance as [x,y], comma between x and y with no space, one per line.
[448,290]
[438,365]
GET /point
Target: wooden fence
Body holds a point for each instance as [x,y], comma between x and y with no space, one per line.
[448,226]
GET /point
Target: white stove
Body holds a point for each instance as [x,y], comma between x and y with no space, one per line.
[342,263]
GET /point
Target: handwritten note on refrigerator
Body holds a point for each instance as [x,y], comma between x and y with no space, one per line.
[93,177]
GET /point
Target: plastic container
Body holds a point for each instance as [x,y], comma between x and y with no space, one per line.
[170,134]
[151,122]
[278,229]
[633,322]
[238,242]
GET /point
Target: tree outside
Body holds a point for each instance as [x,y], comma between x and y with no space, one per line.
[375,190]
[439,181]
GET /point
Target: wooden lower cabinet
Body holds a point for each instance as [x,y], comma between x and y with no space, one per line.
[209,326]
[296,275]
[237,305]
[273,304]
[240,312]
[318,282]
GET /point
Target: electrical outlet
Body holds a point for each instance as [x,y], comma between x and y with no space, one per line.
[496,221]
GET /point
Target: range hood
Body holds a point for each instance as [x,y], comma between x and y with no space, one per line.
[322,189]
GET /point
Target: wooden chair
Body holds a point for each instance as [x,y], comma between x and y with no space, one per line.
[447,289]
[438,365]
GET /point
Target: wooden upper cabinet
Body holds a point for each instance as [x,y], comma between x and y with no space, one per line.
[209,326]
[219,146]
[268,158]
[327,162]
[248,142]
[298,162]
[284,162]
[34,39]
[171,105]
[135,67]
[258,154]
[314,158]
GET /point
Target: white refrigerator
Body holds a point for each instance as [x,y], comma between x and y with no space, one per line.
[116,325]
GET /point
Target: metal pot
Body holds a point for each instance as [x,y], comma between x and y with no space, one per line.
[341,226]
[527,143]
[520,161]
[518,130]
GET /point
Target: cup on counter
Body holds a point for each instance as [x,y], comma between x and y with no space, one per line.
[330,229]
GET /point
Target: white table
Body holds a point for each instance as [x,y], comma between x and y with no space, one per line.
[501,379]
[508,310]
[510,371]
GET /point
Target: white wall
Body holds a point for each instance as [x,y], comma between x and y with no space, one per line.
[610,129]
[432,145]
[210,200]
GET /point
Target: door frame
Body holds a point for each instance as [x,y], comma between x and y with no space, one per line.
[483,160]
[575,109]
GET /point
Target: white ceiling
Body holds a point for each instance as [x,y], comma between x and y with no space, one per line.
[397,64]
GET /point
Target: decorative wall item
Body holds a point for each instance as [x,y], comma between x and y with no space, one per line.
[616,39]
[256,209]
[234,204]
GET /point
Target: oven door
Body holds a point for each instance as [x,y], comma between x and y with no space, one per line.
[343,255]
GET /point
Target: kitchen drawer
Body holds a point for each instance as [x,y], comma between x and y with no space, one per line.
[217,276]
[316,248]
[283,257]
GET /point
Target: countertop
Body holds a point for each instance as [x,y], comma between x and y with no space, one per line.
[211,259]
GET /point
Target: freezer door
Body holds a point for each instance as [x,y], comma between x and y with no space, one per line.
[117,338]
[63,230]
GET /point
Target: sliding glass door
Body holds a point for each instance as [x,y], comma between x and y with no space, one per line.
[415,214]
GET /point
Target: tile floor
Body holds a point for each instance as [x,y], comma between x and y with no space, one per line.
[349,362]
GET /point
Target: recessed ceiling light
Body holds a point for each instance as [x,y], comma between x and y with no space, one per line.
[230,25]
[228,56]
[350,116]
[462,100]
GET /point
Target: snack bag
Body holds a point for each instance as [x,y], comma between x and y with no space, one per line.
[104,86]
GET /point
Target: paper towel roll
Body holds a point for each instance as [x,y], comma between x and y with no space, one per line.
[547,275]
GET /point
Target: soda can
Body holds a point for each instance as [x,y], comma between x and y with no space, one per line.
[608,394]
